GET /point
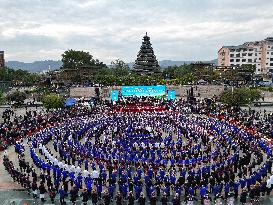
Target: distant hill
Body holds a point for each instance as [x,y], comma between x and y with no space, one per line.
[167,63]
[36,66]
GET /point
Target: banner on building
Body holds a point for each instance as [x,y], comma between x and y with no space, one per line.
[153,91]
[114,95]
[171,94]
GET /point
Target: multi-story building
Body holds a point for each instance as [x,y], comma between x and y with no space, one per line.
[258,53]
[2,59]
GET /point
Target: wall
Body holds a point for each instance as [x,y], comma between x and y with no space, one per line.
[77,92]
[206,91]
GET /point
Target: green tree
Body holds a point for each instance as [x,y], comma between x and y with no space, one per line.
[176,71]
[104,71]
[119,68]
[17,97]
[53,101]
[248,68]
[2,98]
[73,59]
[240,96]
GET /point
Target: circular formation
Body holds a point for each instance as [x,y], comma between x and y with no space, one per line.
[138,157]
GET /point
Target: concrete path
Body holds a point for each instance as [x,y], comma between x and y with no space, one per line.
[6,182]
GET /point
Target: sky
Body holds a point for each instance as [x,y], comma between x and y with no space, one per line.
[32,30]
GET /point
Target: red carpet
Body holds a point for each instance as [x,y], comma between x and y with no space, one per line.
[136,108]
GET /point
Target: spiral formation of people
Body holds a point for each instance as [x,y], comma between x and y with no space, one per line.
[184,153]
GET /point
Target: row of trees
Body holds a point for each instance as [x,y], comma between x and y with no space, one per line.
[49,100]
[18,77]
[134,79]
[119,73]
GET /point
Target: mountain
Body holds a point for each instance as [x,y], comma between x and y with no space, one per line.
[36,66]
[167,63]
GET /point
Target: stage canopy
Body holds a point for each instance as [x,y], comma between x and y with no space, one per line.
[69,102]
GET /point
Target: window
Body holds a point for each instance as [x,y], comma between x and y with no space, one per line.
[271,53]
[271,59]
[250,49]
[249,60]
[237,64]
[259,69]
[231,55]
[266,63]
[271,64]
[243,54]
[232,50]
[238,55]
[259,64]
[250,54]
[267,52]
[259,58]
[243,60]
[237,60]
[231,60]
[231,64]
[255,54]
[268,46]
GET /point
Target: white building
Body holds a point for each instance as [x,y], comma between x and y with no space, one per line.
[258,53]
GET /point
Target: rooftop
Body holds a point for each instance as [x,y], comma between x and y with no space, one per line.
[269,39]
[236,47]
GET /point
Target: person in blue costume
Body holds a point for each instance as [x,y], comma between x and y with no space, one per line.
[111,190]
[124,190]
[62,195]
[99,190]
[203,192]
[226,189]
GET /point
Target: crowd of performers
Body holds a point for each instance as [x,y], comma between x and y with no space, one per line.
[16,127]
[146,157]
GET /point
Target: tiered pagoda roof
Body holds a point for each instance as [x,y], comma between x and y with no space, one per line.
[146,62]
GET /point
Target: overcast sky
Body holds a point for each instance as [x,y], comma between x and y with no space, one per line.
[109,29]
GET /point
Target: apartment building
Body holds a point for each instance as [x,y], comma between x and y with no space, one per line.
[258,53]
[2,59]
